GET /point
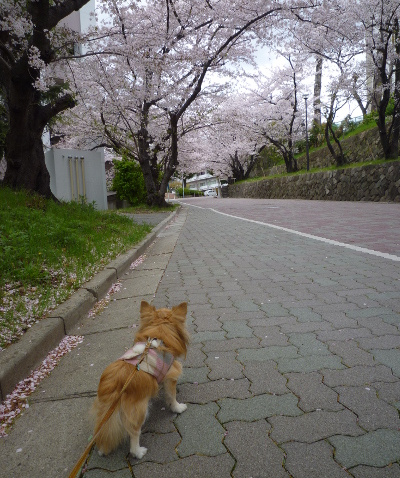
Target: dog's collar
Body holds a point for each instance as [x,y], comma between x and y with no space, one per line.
[155,362]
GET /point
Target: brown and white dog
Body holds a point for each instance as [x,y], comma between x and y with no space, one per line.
[169,338]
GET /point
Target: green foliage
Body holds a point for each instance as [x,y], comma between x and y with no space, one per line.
[55,91]
[316,135]
[47,250]
[188,192]
[270,157]
[373,116]
[300,147]
[345,129]
[129,182]
[347,126]
[390,107]
[370,117]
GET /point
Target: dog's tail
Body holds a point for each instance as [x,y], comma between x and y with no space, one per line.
[131,408]
[112,432]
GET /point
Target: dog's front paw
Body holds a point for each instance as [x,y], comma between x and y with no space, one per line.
[139,452]
[178,407]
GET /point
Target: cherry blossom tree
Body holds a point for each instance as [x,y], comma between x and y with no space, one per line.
[31,43]
[365,33]
[353,42]
[140,97]
[379,22]
[249,121]
[231,143]
[337,100]
[277,111]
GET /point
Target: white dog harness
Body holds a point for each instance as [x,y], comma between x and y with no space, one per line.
[155,362]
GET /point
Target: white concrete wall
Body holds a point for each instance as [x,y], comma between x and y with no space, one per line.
[81,20]
[73,21]
[88,175]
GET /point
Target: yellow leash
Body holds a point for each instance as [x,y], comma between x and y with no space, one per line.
[108,414]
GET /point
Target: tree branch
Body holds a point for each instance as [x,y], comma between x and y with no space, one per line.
[52,109]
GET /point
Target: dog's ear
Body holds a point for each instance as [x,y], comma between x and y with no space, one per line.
[180,310]
[146,308]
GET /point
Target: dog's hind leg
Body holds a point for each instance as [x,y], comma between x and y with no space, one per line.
[170,388]
[133,417]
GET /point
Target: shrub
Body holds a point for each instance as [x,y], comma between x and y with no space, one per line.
[370,117]
[317,135]
[390,107]
[373,116]
[348,125]
[128,182]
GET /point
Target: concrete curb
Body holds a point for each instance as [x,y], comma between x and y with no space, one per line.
[19,359]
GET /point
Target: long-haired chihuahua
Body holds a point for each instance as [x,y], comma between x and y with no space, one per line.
[161,338]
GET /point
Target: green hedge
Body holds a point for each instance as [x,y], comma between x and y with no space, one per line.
[188,192]
[129,182]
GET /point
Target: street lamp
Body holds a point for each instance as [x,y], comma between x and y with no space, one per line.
[183,182]
[307,152]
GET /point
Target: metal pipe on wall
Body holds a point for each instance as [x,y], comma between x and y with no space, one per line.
[77,176]
[83,176]
[71,177]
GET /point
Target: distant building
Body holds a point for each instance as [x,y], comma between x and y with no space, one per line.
[76,175]
[203,181]
[81,21]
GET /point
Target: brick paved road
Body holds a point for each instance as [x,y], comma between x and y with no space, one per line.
[294,367]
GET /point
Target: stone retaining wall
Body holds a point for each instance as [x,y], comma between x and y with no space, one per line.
[365,183]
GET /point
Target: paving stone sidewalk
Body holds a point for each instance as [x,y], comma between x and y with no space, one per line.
[293,368]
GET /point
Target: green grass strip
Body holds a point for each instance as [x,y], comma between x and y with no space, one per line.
[48,250]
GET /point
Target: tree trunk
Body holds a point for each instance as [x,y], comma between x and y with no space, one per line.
[30,110]
[252,162]
[388,141]
[317,92]
[156,190]
[290,162]
[154,196]
[287,154]
[340,160]
[146,161]
[172,158]
[356,96]
[26,168]
[381,121]
[395,126]
[236,168]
